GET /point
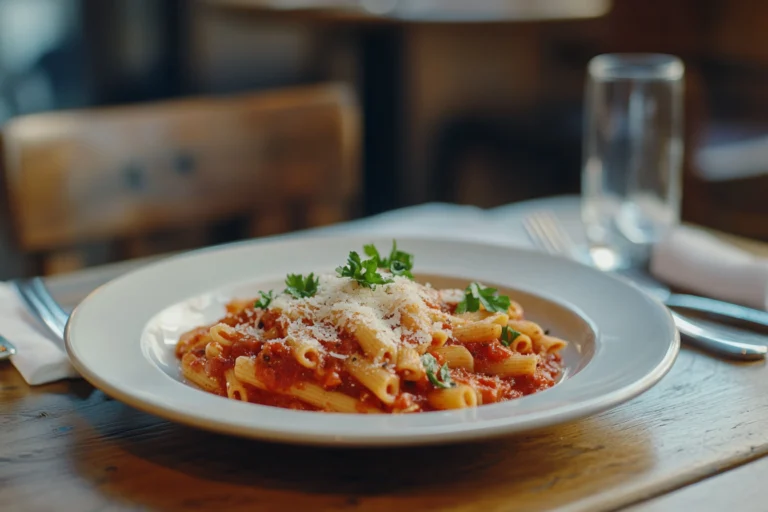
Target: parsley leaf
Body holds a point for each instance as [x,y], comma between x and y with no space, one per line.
[508,335]
[300,286]
[364,272]
[371,251]
[400,263]
[398,268]
[476,294]
[434,370]
[265,300]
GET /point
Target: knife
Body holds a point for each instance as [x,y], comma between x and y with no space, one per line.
[711,337]
[715,309]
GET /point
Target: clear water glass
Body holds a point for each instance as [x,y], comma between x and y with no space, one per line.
[633,154]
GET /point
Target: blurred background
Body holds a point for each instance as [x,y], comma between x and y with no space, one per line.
[137,127]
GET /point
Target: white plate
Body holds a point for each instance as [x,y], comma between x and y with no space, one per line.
[121,338]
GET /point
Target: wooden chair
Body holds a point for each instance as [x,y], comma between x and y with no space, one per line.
[282,160]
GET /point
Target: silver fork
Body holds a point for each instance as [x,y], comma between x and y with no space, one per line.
[6,349]
[42,305]
[546,231]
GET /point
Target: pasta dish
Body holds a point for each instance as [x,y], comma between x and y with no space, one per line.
[370,339]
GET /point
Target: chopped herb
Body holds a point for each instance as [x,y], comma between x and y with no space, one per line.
[508,335]
[476,294]
[434,371]
[301,287]
[364,272]
[371,251]
[400,263]
[399,268]
[546,332]
[265,300]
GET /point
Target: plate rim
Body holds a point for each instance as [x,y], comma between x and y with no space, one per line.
[490,428]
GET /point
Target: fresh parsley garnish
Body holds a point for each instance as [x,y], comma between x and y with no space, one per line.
[400,263]
[434,371]
[301,287]
[265,300]
[476,294]
[508,335]
[364,272]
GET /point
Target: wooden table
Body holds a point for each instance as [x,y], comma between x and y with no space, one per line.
[67,446]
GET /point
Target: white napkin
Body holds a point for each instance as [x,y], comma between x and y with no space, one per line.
[40,358]
[697,261]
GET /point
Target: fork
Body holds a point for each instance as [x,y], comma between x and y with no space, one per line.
[546,232]
[42,305]
[6,349]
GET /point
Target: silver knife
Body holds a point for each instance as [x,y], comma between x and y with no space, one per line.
[716,309]
[717,338]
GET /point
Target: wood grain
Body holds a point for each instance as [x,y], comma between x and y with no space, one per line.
[70,442]
[743,486]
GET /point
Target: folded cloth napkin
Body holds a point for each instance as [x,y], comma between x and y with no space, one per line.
[698,261]
[40,357]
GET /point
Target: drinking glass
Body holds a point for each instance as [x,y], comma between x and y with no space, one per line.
[633,151]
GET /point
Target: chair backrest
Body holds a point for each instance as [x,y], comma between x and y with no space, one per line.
[105,174]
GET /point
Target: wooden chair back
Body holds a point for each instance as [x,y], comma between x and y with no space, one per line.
[284,159]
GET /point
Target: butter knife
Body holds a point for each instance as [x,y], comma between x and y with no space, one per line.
[717,310]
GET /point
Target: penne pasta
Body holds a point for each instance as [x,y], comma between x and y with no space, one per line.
[368,339]
[477,331]
[305,354]
[192,340]
[414,320]
[222,334]
[213,349]
[382,383]
[515,310]
[195,373]
[549,344]
[439,337]
[522,344]
[516,365]
[423,348]
[483,316]
[235,388]
[459,397]
[456,356]
[530,329]
[245,371]
[474,316]
[498,318]
[329,400]
[238,305]
[409,364]
[374,338]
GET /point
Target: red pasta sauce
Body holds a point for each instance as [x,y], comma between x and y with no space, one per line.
[279,370]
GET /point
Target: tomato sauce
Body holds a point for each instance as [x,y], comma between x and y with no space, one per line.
[276,367]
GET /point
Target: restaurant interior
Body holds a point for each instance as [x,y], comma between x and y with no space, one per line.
[272,133]
[478,105]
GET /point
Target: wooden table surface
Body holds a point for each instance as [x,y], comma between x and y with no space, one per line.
[742,489]
[67,446]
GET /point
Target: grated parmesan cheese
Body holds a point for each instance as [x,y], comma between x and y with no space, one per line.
[341,302]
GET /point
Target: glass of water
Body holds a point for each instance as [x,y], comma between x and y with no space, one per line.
[633,152]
